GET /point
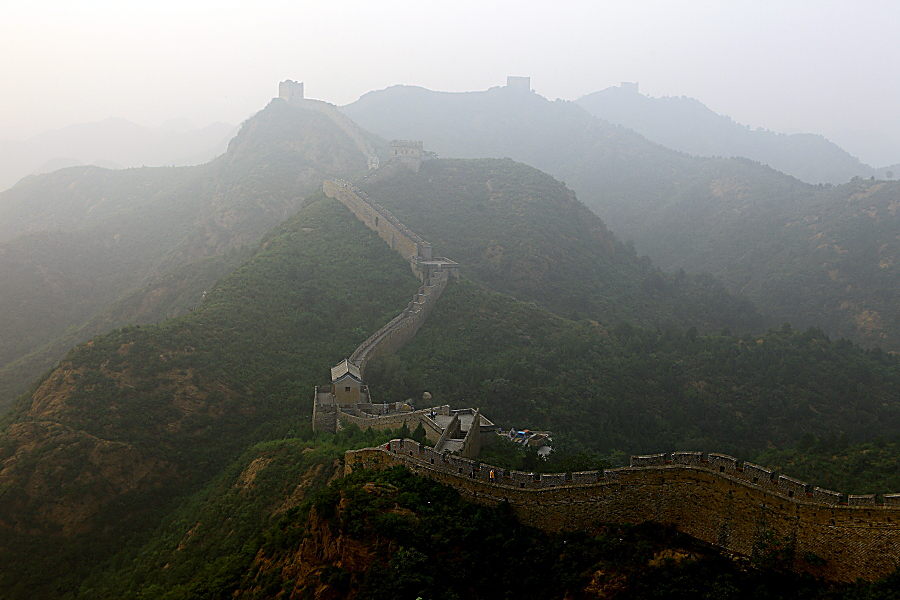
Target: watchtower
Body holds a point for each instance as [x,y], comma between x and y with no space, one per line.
[409,153]
[519,84]
[629,86]
[346,384]
[291,91]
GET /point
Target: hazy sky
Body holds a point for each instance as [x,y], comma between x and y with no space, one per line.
[788,66]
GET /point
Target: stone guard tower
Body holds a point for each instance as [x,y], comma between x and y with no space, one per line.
[346,384]
[291,91]
[408,152]
[519,84]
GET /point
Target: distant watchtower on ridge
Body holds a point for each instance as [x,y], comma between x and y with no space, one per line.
[290,90]
[519,84]
[408,152]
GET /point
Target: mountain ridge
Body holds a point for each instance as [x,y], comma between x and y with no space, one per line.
[687,125]
[126,228]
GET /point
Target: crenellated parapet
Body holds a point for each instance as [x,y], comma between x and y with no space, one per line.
[736,506]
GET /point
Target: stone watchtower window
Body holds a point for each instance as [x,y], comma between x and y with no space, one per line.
[376,221]
[347,389]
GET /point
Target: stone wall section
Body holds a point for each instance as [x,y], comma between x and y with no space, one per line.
[403,327]
[324,417]
[722,507]
[376,218]
[393,421]
[472,442]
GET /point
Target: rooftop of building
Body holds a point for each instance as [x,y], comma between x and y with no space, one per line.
[345,367]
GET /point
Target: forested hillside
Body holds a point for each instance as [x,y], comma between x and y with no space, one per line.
[121,466]
[390,535]
[102,447]
[77,240]
[741,221]
[824,257]
[519,231]
[625,390]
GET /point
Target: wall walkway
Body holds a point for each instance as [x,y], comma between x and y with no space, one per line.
[401,328]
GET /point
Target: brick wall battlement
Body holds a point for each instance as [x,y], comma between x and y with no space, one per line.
[393,421]
[733,509]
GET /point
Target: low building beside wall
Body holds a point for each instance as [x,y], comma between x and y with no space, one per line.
[347,402]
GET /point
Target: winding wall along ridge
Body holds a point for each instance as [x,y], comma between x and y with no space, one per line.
[401,328]
[715,500]
[410,246]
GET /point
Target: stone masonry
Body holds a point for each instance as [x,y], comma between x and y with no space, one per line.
[409,245]
[735,509]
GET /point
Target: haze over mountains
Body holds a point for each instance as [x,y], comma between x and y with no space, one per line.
[77,240]
[171,456]
[685,124]
[88,228]
[113,143]
[727,217]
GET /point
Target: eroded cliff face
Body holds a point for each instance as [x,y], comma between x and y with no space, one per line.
[347,551]
[328,563]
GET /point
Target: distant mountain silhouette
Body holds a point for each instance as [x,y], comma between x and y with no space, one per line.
[113,143]
[687,125]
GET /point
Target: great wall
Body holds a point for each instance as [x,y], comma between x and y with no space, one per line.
[347,401]
[741,508]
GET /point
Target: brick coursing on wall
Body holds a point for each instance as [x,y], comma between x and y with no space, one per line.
[725,508]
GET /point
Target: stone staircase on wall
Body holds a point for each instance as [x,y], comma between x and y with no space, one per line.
[328,413]
[434,272]
[403,327]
